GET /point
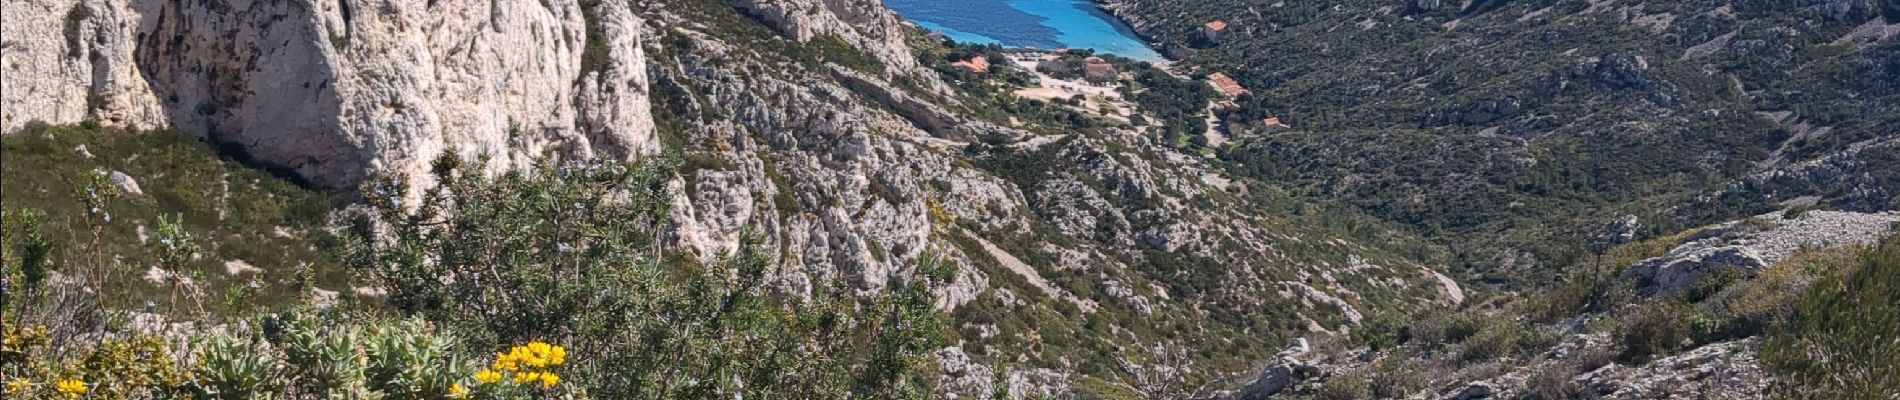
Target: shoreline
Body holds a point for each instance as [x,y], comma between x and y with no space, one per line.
[1098,9]
[1107,7]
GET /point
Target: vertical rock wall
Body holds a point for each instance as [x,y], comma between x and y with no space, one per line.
[335,90]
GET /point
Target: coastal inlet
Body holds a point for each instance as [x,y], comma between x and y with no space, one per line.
[1041,24]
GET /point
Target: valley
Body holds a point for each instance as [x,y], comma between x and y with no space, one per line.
[1536,199]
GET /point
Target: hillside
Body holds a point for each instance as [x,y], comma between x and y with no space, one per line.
[818,136]
[1783,305]
[1523,124]
[716,199]
[1641,180]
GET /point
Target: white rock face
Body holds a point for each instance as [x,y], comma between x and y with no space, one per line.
[1749,246]
[865,24]
[336,91]
[66,60]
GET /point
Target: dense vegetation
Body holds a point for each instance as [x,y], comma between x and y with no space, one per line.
[1839,343]
[1180,105]
[1507,128]
[62,180]
[553,266]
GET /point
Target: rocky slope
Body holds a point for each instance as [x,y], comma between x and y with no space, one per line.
[1051,232]
[1690,322]
[1080,251]
[1747,247]
[1509,127]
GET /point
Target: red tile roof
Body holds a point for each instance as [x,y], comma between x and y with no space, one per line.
[1226,85]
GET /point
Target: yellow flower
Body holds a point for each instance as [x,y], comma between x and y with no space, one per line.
[456,391]
[548,380]
[506,362]
[72,388]
[526,377]
[488,376]
[18,387]
[559,356]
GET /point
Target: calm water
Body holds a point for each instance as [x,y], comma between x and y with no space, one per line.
[1043,24]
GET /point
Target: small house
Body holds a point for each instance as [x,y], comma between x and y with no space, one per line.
[1273,124]
[1214,30]
[1098,70]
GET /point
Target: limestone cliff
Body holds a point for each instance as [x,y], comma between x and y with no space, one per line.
[335,91]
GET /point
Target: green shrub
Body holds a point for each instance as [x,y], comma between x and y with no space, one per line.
[595,55]
[1381,331]
[552,254]
[1841,343]
[302,354]
[1349,386]
[1506,338]
[1444,328]
[1658,328]
[1552,382]
[567,252]
[1770,298]
[1709,286]
[1385,378]
[61,174]
[834,49]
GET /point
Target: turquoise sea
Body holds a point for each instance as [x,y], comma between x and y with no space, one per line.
[1042,24]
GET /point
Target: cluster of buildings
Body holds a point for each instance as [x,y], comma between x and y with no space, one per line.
[1097,70]
[1228,88]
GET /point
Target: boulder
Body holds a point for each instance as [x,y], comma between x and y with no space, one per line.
[1616,72]
[1622,230]
[1475,391]
[127,186]
[1283,372]
[1671,274]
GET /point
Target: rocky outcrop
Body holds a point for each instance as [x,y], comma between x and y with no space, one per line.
[1475,391]
[930,117]
[1626,72]
[1848,176]
[963,378]
[336,91]
[1663,276]
[1284,371]
[1748,246]
[864,24]
[1619,231]
[1725,370]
